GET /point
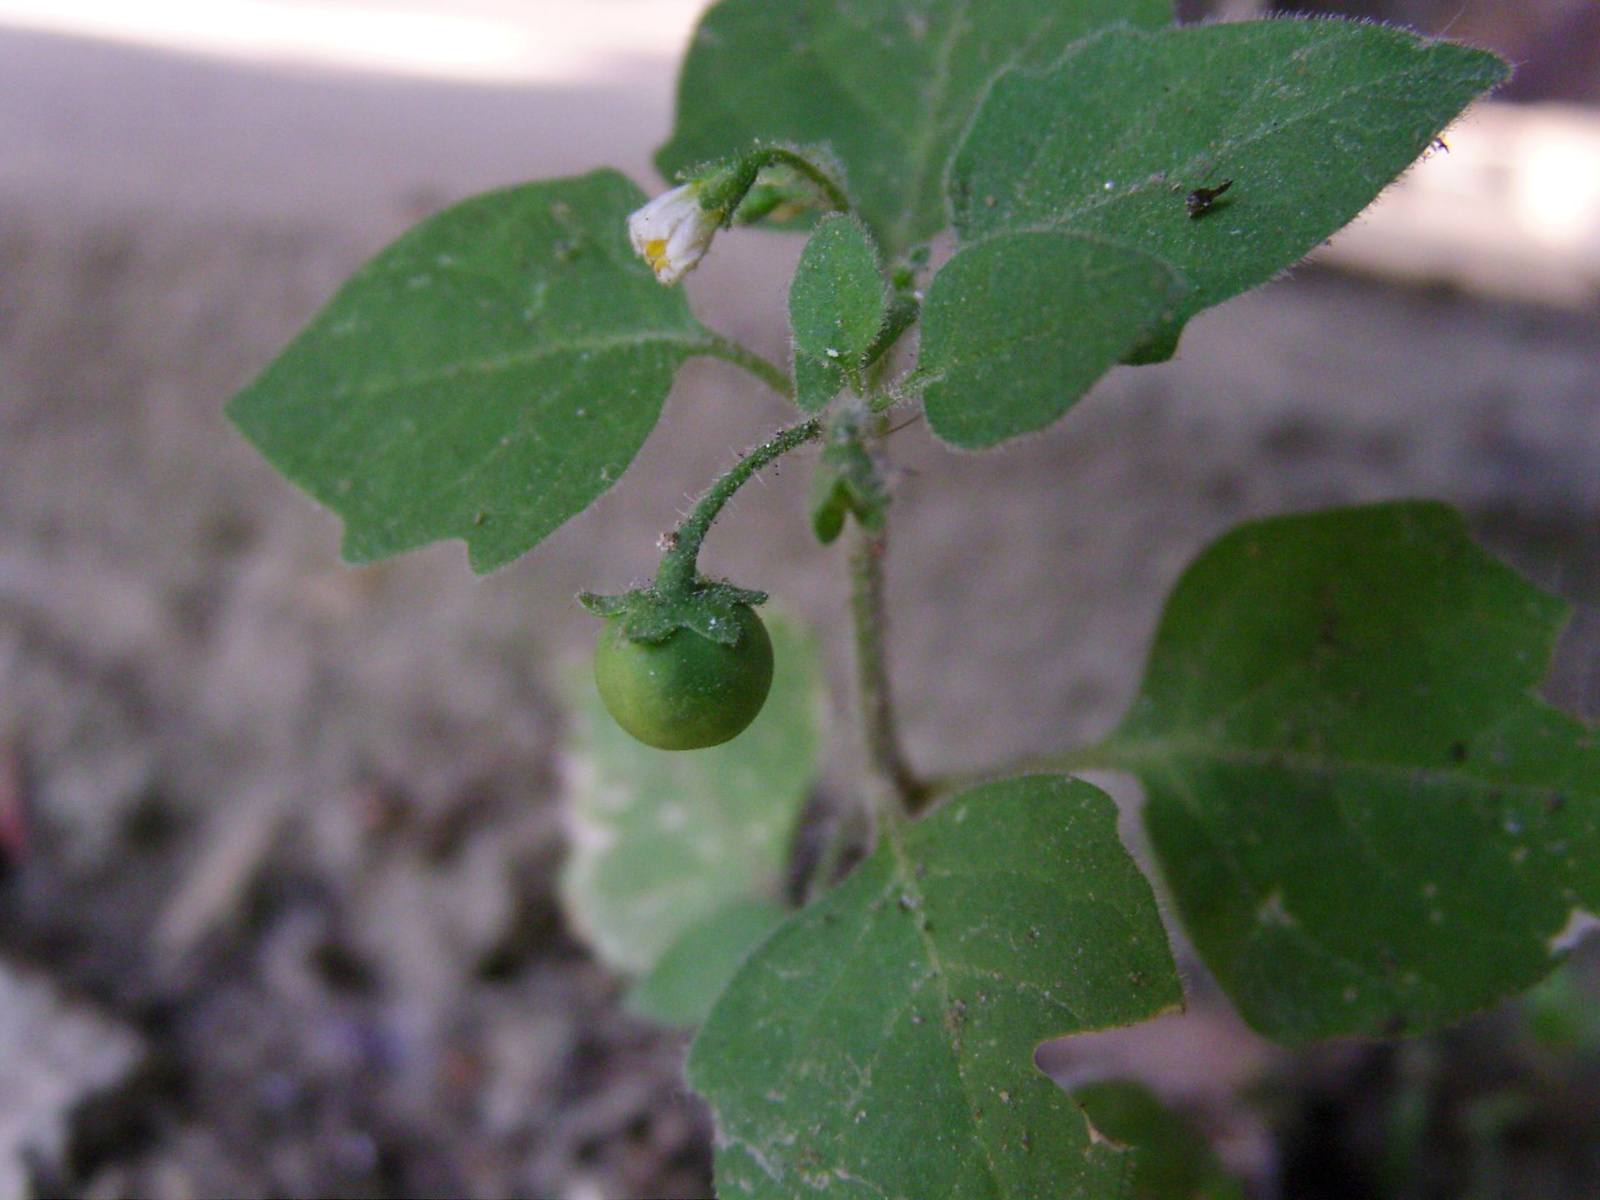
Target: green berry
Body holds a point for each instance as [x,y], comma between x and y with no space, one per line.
[687,691]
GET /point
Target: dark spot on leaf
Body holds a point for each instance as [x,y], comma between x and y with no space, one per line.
[1458,752]
[1202,200]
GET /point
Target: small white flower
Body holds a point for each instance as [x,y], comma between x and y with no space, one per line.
[673,232]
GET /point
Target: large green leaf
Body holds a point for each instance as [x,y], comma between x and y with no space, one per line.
[1370,821]
[1309,119]
[881,1042]
[886,85]
[484,378]
[1015,329]
[662,841]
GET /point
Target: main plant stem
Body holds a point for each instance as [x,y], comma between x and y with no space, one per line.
[896,789]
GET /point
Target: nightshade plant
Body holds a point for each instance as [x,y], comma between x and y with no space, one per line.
[1369,822]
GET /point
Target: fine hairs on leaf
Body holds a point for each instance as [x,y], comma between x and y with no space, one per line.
[1369,822]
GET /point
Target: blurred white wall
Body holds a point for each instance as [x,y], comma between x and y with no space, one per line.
[478,41]
[325,112]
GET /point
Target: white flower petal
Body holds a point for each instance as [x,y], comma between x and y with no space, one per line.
[673,232]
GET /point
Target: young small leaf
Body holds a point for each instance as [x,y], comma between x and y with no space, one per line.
[816,381]
[836,300]
[887,86]
[662,841]
[686,980]
[848,482]
[1175,1161]
[484,378]
[880,1042]
[1371,823]
[1017,328]
[1127,134]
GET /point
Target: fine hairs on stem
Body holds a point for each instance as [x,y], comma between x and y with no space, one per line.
[897,790]
[678,570]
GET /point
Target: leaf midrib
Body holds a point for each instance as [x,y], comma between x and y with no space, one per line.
[692,342]
[1094,202]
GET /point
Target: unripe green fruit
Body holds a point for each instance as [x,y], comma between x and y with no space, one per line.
[687,692]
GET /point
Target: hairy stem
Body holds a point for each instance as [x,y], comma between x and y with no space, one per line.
[678,570]
[727,189]
[898,791]
[777,156]
[769,373]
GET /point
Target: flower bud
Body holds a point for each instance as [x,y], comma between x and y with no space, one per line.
[673,231]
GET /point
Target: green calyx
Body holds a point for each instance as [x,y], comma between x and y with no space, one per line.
[652,615]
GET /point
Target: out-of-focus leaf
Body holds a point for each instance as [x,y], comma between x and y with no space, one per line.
[688,978]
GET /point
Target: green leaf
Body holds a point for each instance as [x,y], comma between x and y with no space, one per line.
[881,1042]
[1017,328]
[836,300]
[689,977]
[836,308]
[887,85]
[1310,119]
[1370,821]
[663,841]
[484,378]
[816,381]
[1175,1161]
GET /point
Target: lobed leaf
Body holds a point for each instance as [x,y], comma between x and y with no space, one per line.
[880,1043]
[663,841]
[887,85]
[1308,119]
[1369,820]
[1017,328]
[485,377]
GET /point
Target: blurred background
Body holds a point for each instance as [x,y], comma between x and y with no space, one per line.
[278,837]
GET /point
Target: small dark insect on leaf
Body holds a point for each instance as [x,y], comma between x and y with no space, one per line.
[1438,144]
[1199,202]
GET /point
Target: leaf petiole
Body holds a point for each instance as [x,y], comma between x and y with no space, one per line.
[768,372]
